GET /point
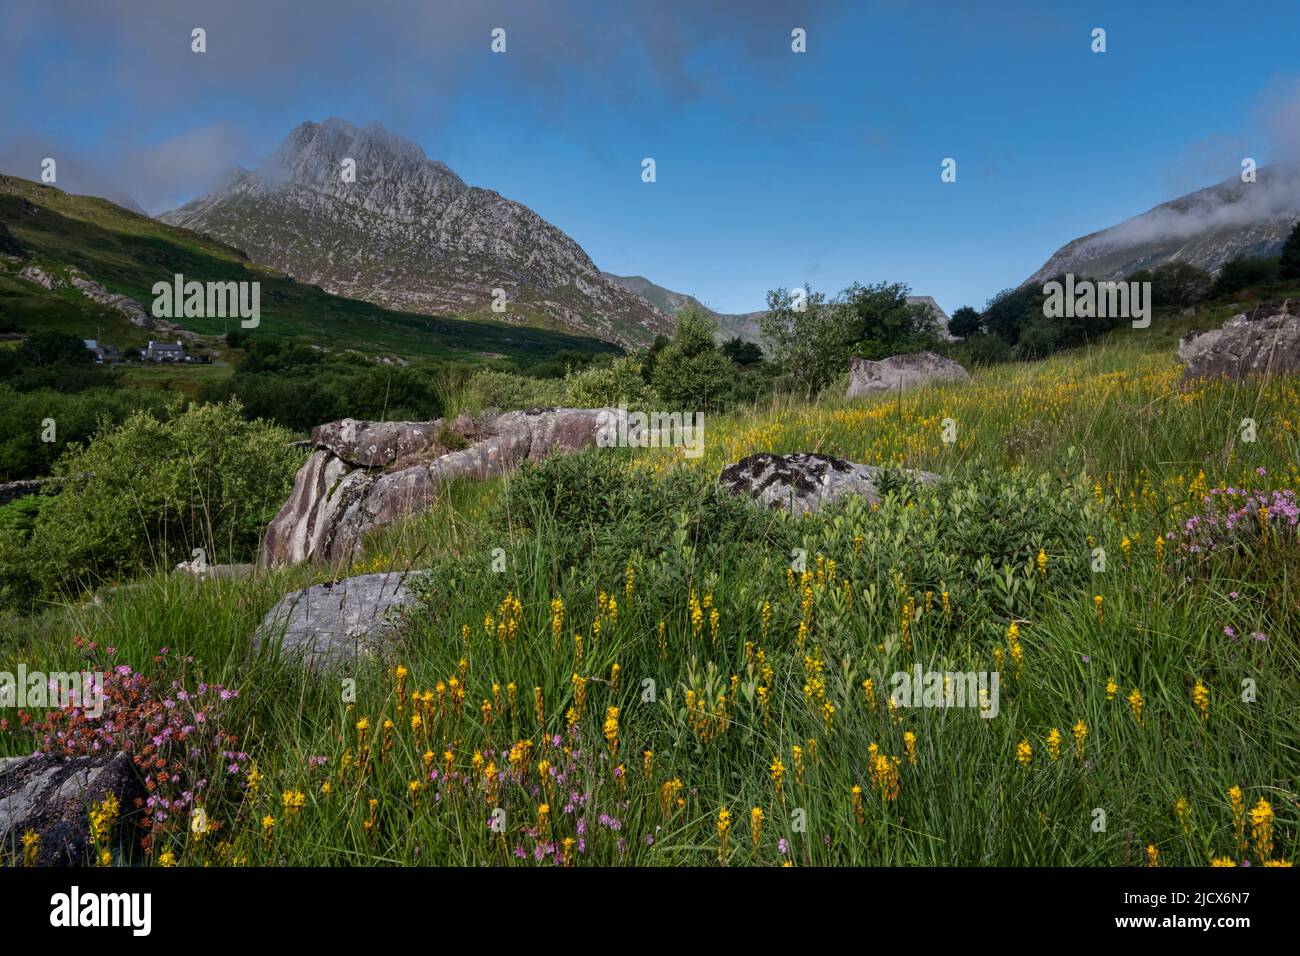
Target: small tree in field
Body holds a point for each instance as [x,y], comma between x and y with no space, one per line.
[690,374]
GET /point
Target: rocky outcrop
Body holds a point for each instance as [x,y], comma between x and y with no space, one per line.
[375,444]
[364,475]
[42,278]
[333,625]
[129,308]
[52,797]
[901,371]
[1264,341]
[803,482]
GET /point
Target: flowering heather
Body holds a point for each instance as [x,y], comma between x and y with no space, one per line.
[1233,518]
[173,736]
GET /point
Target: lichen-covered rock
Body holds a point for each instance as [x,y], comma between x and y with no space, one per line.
[1265,341]
[338,495]
[803,482]
[900,372]
[375,444]
[52,797]
[332,625]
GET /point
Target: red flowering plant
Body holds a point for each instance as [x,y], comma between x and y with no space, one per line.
[175,737]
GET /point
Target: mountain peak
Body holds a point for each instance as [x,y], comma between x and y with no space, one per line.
[408,233]
[313,154]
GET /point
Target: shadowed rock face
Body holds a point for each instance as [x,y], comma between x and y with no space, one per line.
[1265,341]
[802,482]
[901,371]
[52,796]
[364,475]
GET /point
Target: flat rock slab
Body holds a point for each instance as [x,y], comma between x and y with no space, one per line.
[333,625]
[900,372]
[52,797]
[803,482]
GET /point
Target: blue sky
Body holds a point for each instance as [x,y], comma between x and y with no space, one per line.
[774,168]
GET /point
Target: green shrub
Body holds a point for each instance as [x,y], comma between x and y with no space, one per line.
[504,391]
[597,505]
[76,418]
[619,383]
[148,493]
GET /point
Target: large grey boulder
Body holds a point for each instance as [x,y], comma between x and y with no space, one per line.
[333,625]
[375,444]
[1265,341]
[364,475]
[900,372]
[52,797]
[803,482]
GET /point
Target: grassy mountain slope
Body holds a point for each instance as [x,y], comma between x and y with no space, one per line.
[127,253]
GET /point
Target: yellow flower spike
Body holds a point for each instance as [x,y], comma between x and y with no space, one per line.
[1261,828]
[1153,855]
[1238,801]
[1201,698]
[724,827]
[1080,736]
[1136,704]
[1054,744]
[1024,753]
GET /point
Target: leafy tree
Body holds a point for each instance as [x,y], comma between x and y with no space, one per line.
[43,349]
[806,336]
[964,323]
[742,353]
[1243,273]
[1176,284]
[1289,264]
[1007,311]
[690,373]
[881,322]
[652,356]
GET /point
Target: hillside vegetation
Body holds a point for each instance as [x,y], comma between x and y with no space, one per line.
[656,677]
[128,253]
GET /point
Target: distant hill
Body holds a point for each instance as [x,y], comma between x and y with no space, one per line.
[743,325]
[1205,229]
[62,236]
[409,234]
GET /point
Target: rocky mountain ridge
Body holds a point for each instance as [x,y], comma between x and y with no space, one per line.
[410,234]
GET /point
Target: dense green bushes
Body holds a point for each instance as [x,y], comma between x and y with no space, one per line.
[147,494]
[24,418]
[298,386]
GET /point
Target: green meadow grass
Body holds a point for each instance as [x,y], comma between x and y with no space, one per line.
[764,707]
